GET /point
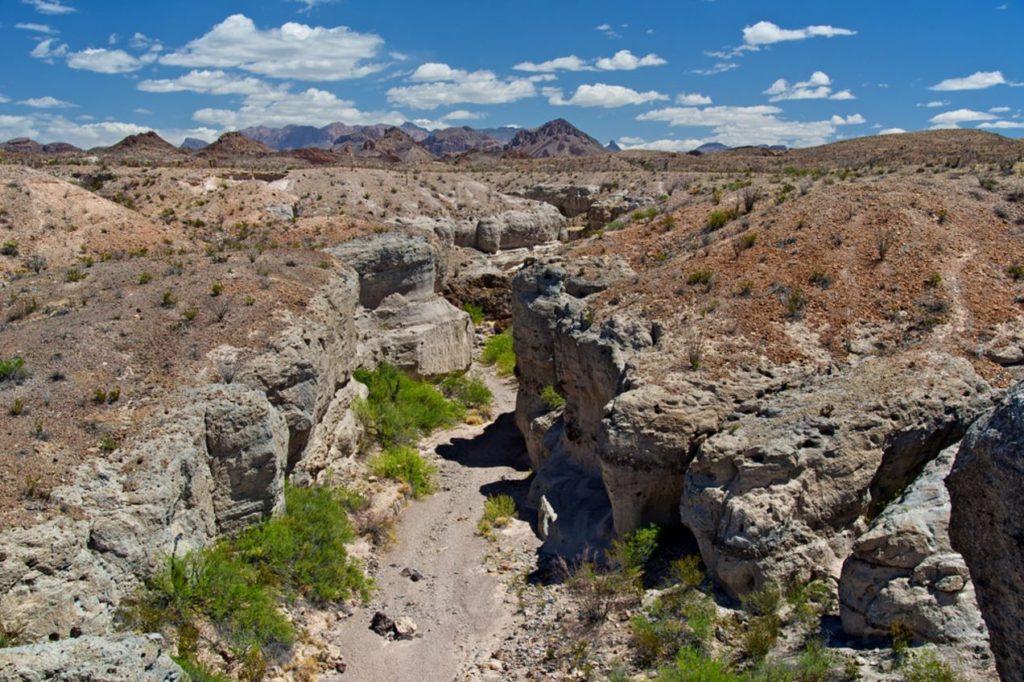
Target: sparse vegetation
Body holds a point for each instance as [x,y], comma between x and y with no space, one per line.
[476,312]
[499,510]
[499,351]
[702,276]
[719,218]
[405,464]
[398,409]
[13,369]
[552,398]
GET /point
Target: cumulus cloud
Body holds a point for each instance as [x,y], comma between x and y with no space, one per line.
[17,126]
[45,29]
[891,131]
[100,60]
[851,120]
[48,50]
[663,145]
[767,33]
[1002,125]
[570,63]
[210,82]
[52,7]
[979,80]
[282,107]
[624,60]
[292,51]
[1000,110]
[952,119]
[602,95]
[692,99]
[818,86]
[46,103]
[736,126]
[440,85]
[463,115]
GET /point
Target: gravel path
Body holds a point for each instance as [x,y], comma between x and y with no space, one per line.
[461,605]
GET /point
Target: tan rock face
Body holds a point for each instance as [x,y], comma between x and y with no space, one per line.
[987,524]
[145,658]
[391,264]
[539,224]
[903,569]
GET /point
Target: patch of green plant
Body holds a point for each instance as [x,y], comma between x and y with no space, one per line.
[469,391]
[692,665]
[1016,272]
[9,248]
[13,369]
[475,311]
[405,464]
[925,666]
[796,301]
[765,624]
[704,276]
[197,672]
[552,398]
[302,552]
[655,639]
[720,217]
[499,351]
[398,409]
[499,510]
[73,275]
[636,549]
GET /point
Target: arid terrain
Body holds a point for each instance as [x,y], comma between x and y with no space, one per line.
[740,381]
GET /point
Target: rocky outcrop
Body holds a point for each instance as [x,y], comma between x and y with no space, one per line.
[570,200]
[609,208]
[391,264]
[426,337]
[904,570]
[517,229]
[987,525]
[210,467]
[777,495]
[92,659]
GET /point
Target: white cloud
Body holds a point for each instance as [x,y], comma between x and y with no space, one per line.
[291,51]
[53,7]
[309,5]
[570,63]
[736,126]
[38,28]
[666,145]
[767,33]
[4,100]
[978,80]
[282,107]
[692,99]
[1000,110]
[440,85]
[891,131]
[17,126]
[463,115]
[952,119]
[602,95]
[624,60]
[851,120]
[1002,125]
[142,111]
[214,82]
[140,41]
[818,86]
[48,50]
[720,67]
[607,30]
[46,103]
[935,104]
[104,61]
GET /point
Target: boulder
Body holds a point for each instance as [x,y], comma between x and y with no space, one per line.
[92,659]
[426,337]
[987,525]
[516,229]
[570,200]
[903,569]
[391,263]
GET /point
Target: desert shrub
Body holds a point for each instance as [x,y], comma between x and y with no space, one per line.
[796,301]
[809,602]
[820,279]
[475,311]
[692,665]
[13,369]
[9,248]
[168,299]
[636,549]
[719,218]
[1016,272]
[926,667]
[405,464]
[145,277]
[598,591]
[398,410]
[552,398]
[703,276]
[216,289]
[934,280]
[197,672]
[764,622]
[499,351]
[816,663]
[469,391]
[73,275]
[655,639]
[884,243]
[498,511]
[303,550]
[750,196]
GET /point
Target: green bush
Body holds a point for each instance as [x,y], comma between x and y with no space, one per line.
[703,276]
[636,549]
[13,369]
[926,667]
[552,398]
[469,391]
[407,465]
[9,248]
[499,509]
[398,410]
[74,275]
[303,550]
[721,217]
[692,665]
[476,312]
[499,351]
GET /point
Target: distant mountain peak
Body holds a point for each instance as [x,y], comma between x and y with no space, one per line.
[557,138]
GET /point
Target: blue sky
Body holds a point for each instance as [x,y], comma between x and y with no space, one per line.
[665,75]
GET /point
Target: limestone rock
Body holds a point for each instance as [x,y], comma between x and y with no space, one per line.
[609,208]
[92,659]
[570,200]
[427,337]
[903,569]
[777,495]
[391,263]
[987,524]
[516,229]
